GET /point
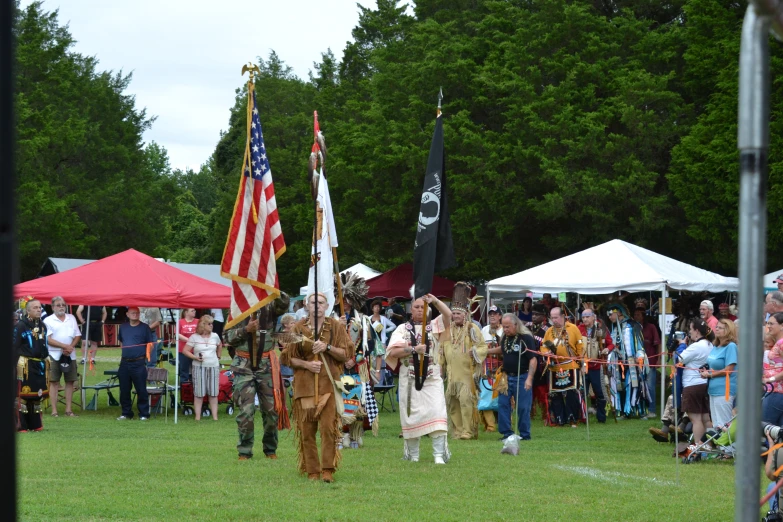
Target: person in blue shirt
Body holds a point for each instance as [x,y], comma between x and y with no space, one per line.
[134,336]
[525,313]
[722,361]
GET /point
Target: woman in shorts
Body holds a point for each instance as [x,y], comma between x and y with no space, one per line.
[695,400]
[204,348]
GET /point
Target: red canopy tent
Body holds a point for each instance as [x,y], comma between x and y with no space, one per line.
[397,282]
[129,278]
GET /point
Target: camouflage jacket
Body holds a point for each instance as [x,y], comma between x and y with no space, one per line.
[238,339]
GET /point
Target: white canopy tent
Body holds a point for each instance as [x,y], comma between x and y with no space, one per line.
[604,269]
[359,268]
[611,266]
[769,280]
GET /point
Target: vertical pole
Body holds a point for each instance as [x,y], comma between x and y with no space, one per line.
[8,259]
[176,367]
[84,368]
[662,358]
[753,143]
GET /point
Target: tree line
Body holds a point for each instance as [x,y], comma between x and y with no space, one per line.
[567,123]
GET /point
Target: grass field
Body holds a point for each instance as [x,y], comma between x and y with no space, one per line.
[96,468]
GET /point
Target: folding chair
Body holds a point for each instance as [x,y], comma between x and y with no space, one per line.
[157,386]
[386,385]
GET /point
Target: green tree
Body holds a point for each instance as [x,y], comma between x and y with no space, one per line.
[87,186]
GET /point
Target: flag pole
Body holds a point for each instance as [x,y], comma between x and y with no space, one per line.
[426,304]
[315,180]
[339,283]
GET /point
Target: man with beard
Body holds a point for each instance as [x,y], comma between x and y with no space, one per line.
[563,347]
[598,344]
[31,349]
[63,337]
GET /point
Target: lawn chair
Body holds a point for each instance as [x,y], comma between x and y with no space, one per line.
[158,389]
[386,386]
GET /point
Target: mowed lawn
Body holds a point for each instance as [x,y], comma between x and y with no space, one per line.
[96,468]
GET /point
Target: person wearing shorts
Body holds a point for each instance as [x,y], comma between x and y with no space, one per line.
[204,348]
[63,336]
[695,400]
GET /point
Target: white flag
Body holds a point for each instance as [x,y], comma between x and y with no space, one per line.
[326,239]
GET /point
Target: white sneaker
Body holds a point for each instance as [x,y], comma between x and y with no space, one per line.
[122,417]
[144,418]
[650,416]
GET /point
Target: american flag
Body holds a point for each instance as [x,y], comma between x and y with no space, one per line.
[255,239]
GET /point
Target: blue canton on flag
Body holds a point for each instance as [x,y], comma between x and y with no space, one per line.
[257,164]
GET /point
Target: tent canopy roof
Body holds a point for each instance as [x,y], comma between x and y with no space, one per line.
[615,265]
[55,265]
[359,268]
[129,278]
[397,282]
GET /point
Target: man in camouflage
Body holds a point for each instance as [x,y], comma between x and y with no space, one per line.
[249,383]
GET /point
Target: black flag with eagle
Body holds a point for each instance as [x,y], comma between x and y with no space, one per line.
[434,249]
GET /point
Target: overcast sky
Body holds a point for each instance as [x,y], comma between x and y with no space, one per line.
[186,56]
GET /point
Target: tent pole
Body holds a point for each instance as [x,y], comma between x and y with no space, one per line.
[489,303]
[82,393]
[753,144]
[662,360]
[176,351]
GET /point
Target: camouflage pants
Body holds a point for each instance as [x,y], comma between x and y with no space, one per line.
[247,385]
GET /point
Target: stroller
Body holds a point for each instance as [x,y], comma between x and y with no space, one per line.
[717,442]
[225,395]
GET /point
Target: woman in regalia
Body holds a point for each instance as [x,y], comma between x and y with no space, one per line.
[422,399]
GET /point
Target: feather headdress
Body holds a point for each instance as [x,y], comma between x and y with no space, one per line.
[460,297]
[354,287]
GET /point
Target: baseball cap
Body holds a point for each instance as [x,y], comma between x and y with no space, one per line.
[779,279]
[493,310]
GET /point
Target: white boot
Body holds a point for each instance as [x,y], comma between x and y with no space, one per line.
[346,441]
[440,449]
[411,450]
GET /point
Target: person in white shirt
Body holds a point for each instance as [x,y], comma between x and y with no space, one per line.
[218,321]
[204,348]
[301,310]
[63,337]
[695,400]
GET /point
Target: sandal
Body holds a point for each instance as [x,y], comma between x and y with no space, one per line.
[70,414]
[55,415]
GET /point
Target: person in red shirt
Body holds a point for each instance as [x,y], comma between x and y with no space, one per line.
[598,344]
[652,346]
[725,313]
[185,328]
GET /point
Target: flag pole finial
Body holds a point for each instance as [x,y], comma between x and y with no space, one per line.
[251,68]
[440,100]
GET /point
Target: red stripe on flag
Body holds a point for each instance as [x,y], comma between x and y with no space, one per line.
[234,230]
[250,233]
[238,296]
